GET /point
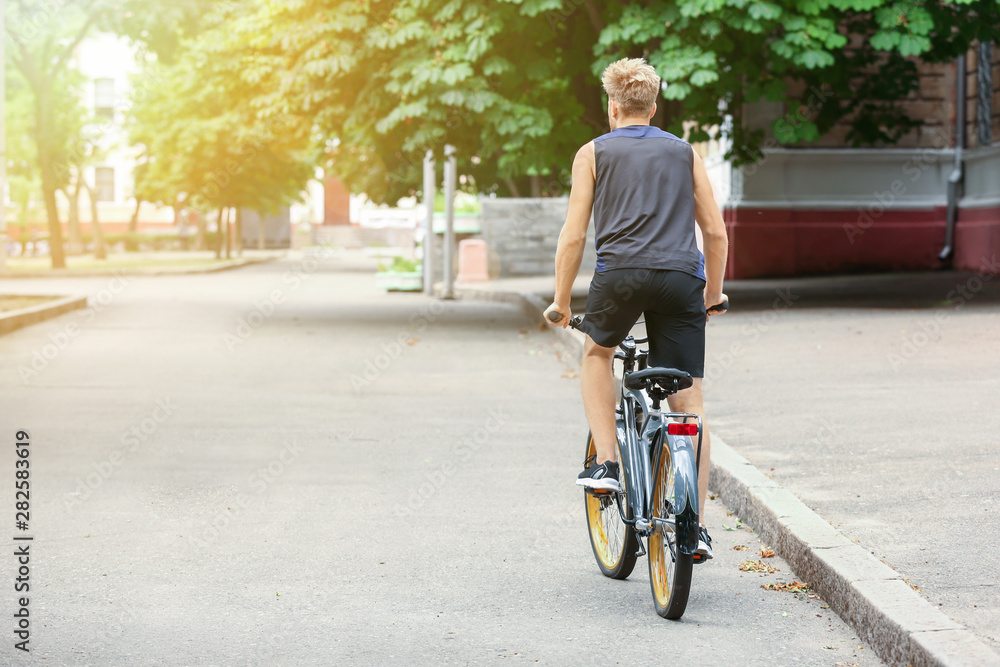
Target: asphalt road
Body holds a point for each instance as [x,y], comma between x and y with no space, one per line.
[282,465]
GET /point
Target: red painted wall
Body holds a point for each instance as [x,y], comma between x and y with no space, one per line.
[786,242]
[977,239]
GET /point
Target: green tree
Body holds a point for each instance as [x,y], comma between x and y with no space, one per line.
[379,82]
[23,181]
[514,84]
[203,146]
[42,39]
[827,60]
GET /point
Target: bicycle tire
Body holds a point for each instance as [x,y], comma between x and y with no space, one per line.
[669,570]
[613,541]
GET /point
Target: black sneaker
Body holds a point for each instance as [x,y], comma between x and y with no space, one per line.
[704,552]
[603,477]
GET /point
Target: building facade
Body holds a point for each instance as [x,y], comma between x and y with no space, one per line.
[823,208]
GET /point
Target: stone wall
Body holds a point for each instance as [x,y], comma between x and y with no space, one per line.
[522,234]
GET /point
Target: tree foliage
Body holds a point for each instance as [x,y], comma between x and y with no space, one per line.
[838,59]
[202,145]
[513,84]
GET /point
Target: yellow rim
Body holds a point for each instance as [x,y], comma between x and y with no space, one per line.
[607,531]
[660,562]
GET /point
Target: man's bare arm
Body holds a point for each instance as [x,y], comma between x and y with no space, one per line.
[573,237]
[713,231]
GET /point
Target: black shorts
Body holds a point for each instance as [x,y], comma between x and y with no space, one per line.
[674,306]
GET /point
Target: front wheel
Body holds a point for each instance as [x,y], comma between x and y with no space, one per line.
[669,569]
[614,542]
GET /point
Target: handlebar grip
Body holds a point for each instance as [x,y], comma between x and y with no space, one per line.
[721,307]
[554,316]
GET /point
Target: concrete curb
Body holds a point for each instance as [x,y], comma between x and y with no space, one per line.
[59,273]
[890,617]
[17,319]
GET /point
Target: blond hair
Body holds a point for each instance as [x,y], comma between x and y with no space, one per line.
[633,84]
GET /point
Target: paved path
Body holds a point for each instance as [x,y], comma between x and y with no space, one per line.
[347,477]
[875,401]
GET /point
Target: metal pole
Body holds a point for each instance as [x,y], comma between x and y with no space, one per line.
[428,259]
[984,90]
[3,137]
[958,172]
[450,178]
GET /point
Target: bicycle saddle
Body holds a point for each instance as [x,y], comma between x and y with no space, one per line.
[670,379]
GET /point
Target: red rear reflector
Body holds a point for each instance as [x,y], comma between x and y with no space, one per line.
[674,428]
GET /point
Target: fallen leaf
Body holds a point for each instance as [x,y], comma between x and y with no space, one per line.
[741,547]
[794,587]
[413,341]
[766,552]
[757,566]
[569,375]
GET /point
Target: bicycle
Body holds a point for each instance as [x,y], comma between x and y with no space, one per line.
[658,477]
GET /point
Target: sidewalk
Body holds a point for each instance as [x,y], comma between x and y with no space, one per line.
[793,370]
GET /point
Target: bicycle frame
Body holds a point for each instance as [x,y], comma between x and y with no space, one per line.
[640,456]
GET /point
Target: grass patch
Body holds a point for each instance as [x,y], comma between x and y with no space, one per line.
[120,261]
[13,302]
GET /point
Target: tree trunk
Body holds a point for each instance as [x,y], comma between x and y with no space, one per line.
[133,223]
[261,232]
[100,249]
[238,231]
[181,227]
[75,240]
[46,159]
[52,212]
[219,231]
[200,243]
[536,185]
[229,233]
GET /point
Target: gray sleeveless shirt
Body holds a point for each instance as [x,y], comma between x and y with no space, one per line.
[644,201]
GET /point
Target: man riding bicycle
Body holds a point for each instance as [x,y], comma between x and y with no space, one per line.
[646,189]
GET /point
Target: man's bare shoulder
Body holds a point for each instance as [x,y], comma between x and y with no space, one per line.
[696,154]
[585,157]
[586,152]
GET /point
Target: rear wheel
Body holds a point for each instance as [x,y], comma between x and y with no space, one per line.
[612,539]
[669,569]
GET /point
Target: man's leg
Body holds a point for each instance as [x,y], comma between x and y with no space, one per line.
[690,400]
[598,382]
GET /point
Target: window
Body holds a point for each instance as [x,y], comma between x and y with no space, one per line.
[104,178]
[104,97]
